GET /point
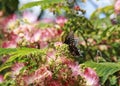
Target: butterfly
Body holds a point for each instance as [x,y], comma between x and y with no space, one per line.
[70,40]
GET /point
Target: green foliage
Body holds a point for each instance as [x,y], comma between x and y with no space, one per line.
[113,80]
[20,54]
[43,3]
[8,7]
[104,70]
[42,25]
[4,51]
[78,23]
[108,10]
[8,83]
[109,31]
[5,66]
[102,23]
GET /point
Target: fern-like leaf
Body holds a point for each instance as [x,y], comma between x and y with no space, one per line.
[6,50]
[5,66]
[104,70]
[20,52]
[16,53]
[24,52]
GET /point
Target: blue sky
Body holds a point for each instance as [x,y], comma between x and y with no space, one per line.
[91,5]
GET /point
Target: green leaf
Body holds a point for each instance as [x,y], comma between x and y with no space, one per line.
[24,52]
[4,66]
[8,83]
[42,25]
[6,50]
[31,4]
[113,80]
[40,3]
[7,75]
[104,70]
[20,52]
[108,10]
[109,31]
[102,23]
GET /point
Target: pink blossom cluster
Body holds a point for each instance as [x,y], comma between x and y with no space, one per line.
[28,34]
[16,69]
[10,40]
[44,76]
[8,35]
[58,71]
[32,35]
[117,7]
[6,20]
[61,21]
[1,78]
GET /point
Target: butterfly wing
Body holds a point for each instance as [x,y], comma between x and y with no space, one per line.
[72,44]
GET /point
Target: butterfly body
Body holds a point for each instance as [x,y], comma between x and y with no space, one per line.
[72,44]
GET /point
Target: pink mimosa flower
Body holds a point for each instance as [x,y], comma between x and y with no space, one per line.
[117,7]
[11,41]
[43,44]
[91,77]
[54,83]
[76,70]
[42,73]
[16,69]
[58,44]
[1,78]
[13,36]
[46,20]
[61,21]
[8,19]
[28,79]
[9,44]
[37,35]
[38,76]
[4,58]
[51,56]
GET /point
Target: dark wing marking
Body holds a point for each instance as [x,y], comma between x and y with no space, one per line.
[72,44]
